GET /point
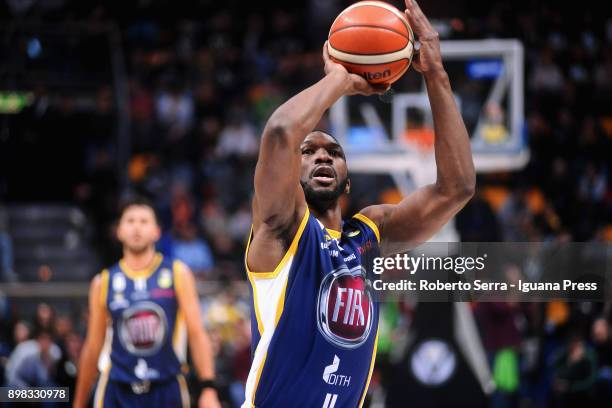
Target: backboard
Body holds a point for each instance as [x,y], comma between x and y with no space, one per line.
[396,138]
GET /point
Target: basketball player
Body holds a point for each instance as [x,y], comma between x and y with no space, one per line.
[314,321]
[140,312]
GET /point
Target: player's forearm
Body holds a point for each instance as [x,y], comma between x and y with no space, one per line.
[202,355]
[300,114]
[87,373]
[455,168]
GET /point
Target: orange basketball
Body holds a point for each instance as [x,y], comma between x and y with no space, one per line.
[372,39]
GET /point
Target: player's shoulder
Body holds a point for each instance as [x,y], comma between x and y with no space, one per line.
[361,222]
[99,285]
[179,266]
[100,277]
[181,274]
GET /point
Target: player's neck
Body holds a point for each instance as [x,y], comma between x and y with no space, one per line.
[138,261]
[330,218]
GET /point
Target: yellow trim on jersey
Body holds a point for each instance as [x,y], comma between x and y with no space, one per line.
[290,251]
[334,233]
[176,277]
[104,276]
[281,304]
[101,388]
[178,335]
[263,363]
[279,312]
[184,391]
[269,275]
[370,224]
[143,273]
[177,339]
[365,390]
[260,328]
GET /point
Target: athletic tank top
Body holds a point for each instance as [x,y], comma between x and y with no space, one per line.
[146,337]
[314,321]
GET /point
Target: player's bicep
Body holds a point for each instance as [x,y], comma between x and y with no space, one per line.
[415,219]
[277,177]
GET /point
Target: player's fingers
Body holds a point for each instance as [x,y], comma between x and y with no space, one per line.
[361,86]
[415,23]
[376,88]
[419,22]
[325,52]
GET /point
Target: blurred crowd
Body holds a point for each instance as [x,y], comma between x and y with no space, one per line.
[202,80]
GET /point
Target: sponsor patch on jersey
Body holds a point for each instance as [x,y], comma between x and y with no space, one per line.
[345,308]
[119,282]
[142,329]
[165,278]
[332,377]
[118,302]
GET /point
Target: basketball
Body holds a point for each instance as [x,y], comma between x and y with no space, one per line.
[372,39]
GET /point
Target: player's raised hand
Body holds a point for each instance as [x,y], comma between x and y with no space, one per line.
[427,59]
[357,84]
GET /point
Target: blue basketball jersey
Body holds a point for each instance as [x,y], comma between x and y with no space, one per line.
[314,321]
[146,335]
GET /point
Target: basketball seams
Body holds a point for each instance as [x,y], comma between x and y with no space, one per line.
[371,59]
[402,48]
[370,26]
[375,63]
[380,4]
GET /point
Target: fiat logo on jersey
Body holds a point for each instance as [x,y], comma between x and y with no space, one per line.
[345,307]
[143,328]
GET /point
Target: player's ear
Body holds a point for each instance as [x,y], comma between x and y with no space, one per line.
[347,189]
[118,231]
[158,232]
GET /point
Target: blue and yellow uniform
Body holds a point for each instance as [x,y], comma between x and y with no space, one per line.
[144,353]
[314,321]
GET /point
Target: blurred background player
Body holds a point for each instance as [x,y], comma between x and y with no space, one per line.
[141,310]
[314,321]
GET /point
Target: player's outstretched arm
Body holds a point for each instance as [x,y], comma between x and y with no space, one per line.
[96,333]
[279,202]
[421,214]
[200,346]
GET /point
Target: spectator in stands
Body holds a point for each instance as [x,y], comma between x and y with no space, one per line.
[63,327]
[183,241]
[602,341]
[32,364]
[192,249]
[175,112]
[546,75]
[66,372]
[21,332]
[502,339]
[45,318]
[515,217]
[238,138]
[574,373]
